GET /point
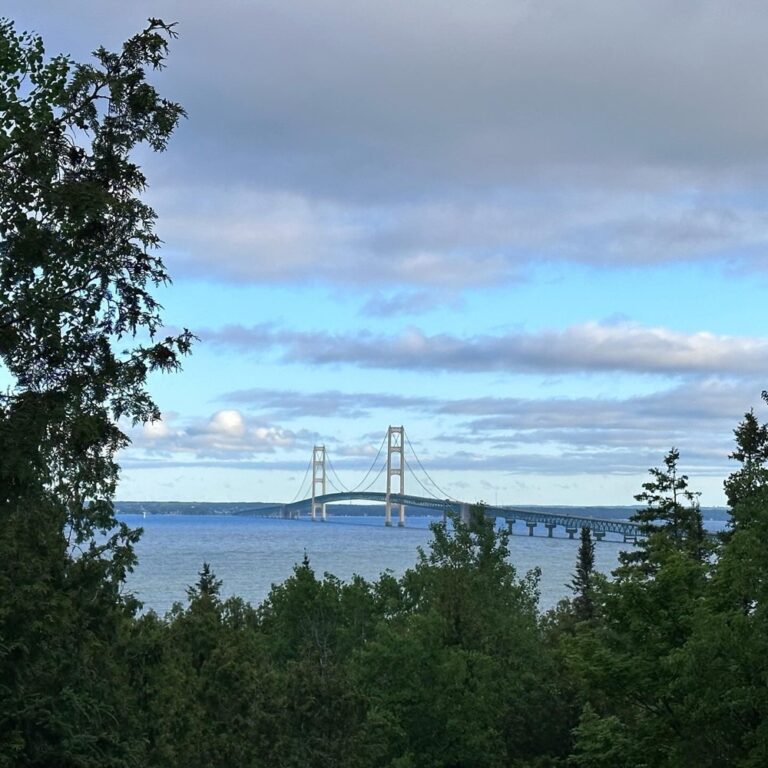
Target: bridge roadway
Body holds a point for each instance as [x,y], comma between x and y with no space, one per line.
[550,520]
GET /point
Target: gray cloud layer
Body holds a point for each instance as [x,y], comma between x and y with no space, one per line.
[700,403]
[379,98]
[450,144]
[240,234]
[592,435]
[591,347]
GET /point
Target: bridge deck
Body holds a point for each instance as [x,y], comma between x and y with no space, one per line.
[510,514]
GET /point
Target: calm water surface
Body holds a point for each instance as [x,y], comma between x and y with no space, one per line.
[250,553]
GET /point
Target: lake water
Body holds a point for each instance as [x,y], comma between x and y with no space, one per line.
[251,553]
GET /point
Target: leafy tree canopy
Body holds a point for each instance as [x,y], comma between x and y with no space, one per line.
[79,333]
[78,321]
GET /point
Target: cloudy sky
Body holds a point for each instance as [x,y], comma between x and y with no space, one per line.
[534,233]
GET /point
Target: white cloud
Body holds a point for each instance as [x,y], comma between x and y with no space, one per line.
[155,430]
[229,423]
[226,434]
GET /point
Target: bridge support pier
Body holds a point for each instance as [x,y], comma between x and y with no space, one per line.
[531,526]
[571,532]
[550,527]
[599,535]
[629,538]
[510,526]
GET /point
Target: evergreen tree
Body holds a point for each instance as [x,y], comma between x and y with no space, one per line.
[723,667]
[312,628]
[627,661]
[583,580]
[671,518]
[450,674]
[207,586]
[752,453]
[77,269]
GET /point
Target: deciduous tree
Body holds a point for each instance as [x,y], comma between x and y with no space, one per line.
[78,335]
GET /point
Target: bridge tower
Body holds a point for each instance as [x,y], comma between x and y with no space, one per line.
[318,479]
[395,469]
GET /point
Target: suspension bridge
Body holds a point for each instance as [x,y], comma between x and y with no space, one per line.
[313,496]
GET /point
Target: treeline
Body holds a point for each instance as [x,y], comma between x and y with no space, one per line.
[664,664]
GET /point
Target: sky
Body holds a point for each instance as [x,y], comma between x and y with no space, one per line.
[533,233]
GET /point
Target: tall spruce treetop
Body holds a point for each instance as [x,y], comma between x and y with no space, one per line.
[752,453]
[78,321]
[671,516]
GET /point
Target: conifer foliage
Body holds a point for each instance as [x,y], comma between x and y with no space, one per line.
[671,517]
[584,577]
[752,453]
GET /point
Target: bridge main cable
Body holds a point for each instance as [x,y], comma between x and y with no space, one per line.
[370,469]
[430,494]
[303,482]
[335,474]
[443,494]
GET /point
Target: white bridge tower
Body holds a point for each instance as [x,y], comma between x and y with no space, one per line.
[318,479]
[395,469]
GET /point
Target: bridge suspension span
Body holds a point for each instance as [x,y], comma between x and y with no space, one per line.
[402,461]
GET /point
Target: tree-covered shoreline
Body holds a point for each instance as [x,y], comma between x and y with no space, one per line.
[452,664]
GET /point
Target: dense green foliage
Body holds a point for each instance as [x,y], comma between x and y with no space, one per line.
[663,665]
[77,340]
[449,665]
[583,583]
[442,667]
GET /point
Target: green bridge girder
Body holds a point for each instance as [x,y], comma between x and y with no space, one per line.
[571,523]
